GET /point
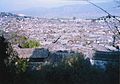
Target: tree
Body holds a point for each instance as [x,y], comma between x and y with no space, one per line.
[8,58]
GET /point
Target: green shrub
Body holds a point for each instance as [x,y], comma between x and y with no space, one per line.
[21,65]
[17,39]
[31,44]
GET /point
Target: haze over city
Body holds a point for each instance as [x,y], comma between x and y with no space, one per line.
[58,8]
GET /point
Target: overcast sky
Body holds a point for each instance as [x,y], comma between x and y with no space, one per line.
[11,5]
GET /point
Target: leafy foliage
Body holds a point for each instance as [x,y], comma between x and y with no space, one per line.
[8,57]
[31,44]
[23,41]
[17,39]
[21,65]
[11,66]
[72,70]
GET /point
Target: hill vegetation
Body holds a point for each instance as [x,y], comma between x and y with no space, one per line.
[31,44]
[72,70]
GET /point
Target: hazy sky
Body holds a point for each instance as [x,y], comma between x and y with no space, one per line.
[11,5]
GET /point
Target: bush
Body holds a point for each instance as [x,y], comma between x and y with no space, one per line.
[73,70]
[31,44]
[17,39]
[21,65]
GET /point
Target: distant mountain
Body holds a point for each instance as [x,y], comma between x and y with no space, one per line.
[78,10]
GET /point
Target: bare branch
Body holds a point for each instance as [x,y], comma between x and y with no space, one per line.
[57,39]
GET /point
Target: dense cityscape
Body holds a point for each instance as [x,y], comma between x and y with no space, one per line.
[75,34]
[60,45]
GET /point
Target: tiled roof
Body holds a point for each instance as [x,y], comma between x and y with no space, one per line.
[107,56]
[33,53]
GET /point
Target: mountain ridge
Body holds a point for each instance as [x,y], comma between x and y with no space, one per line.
[76,10]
